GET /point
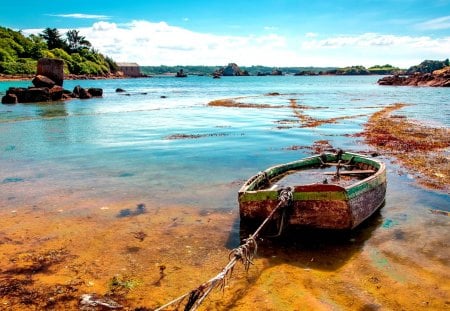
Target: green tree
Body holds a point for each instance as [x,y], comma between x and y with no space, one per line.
[75,41]
[53,39]
[37,47]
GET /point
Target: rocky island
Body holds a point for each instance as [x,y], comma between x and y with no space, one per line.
[47,86]
[427,73]
[436,78]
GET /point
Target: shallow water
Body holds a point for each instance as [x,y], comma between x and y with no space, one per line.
[72,175]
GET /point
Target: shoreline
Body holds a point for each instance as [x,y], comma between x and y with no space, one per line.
[29,77]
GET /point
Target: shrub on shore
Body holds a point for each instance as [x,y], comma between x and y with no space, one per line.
[19,54]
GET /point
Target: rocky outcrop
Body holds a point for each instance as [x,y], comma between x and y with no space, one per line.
[437,78]
[232,70]
[277,72]
[51,68]
[47,86]
[31,94]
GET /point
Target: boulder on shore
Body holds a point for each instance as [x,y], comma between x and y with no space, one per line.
[437,78]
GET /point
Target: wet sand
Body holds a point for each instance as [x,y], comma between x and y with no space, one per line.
[398,260]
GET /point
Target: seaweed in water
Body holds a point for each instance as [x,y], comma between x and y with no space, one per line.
[127,212]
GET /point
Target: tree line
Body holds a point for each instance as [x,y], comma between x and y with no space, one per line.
[19,54]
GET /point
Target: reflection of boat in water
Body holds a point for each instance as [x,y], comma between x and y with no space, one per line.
[332,191]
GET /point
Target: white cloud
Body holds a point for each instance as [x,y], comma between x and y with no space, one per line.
[149,43]
[104,26]
[79,15]
[311,35]
[159,43]
[372,48]
[436,24]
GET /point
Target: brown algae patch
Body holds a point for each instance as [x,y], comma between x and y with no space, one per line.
[317,147]
[422,149]
[306,120]
[194,136]
[232,102]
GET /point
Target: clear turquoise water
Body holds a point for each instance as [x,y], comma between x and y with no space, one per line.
[119,147]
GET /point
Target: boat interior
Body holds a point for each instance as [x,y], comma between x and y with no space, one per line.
[341,173]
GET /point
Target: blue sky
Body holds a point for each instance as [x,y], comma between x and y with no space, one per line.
[259,32]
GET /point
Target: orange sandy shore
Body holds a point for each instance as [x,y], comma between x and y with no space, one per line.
[50,257]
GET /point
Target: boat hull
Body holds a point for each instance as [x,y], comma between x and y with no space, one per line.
[317,205]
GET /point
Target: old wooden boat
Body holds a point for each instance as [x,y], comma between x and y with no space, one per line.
[332,191]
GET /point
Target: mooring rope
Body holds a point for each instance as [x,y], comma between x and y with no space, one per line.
[243,253]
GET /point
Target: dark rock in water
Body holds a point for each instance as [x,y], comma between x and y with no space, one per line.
[95,92]
[43,81]
[125,213]
[84,94]
[140,209]
[56,93]
[9,99]
[76,90]
[119,90]
[181,74]
[37,94]
[81,93]
[19,92]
